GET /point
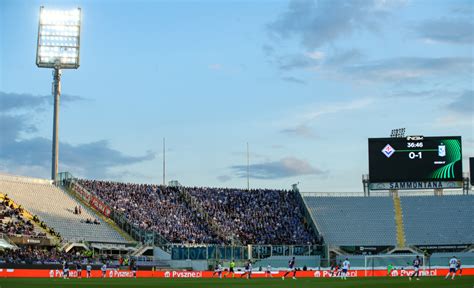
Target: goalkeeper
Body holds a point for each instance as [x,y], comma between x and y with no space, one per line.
[389,269]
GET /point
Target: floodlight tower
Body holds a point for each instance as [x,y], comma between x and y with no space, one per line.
[398,133]
[58,48]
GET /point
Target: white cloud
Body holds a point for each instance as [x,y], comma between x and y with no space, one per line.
[338,107]
[285,167]
[316,55]
[301,130]
[215,66]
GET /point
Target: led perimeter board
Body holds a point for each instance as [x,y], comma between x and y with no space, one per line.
[415,158]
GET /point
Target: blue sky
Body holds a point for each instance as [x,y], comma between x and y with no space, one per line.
[305,83]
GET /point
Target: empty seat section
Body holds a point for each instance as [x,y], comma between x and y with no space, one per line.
[354,221]
[438,220]
[56,208]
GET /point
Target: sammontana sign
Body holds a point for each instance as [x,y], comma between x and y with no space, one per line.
[415,185]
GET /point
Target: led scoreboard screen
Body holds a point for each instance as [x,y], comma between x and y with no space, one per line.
[415,158]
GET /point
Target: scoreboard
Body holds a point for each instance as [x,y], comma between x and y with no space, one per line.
[415,158]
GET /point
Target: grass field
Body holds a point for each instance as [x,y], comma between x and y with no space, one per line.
[432,282]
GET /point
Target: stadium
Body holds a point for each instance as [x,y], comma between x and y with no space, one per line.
[408,224]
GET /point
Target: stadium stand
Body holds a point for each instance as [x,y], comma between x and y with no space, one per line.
[56,208]
[12,221]
[354,221]
[445,220]
[30,255]
[155,208]
[252,217]
[257,216]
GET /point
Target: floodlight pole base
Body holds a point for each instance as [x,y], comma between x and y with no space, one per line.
[56,93]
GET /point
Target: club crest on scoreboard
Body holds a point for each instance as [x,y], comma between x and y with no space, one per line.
[388,150]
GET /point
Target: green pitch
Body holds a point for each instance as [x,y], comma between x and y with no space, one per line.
[432,282]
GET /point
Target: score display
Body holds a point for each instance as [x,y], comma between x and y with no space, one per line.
[415,158]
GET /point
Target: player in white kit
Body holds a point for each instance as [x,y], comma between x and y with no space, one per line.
[268,272]
[104,270]
[218,271]
[345,267]
[88,269]
[452,267]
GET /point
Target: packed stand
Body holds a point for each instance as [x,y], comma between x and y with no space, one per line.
[48,255]
[251,217]
[12,221]
[256,217]
[33,255]
[154,208]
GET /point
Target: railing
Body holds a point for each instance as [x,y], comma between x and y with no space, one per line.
[137,233]
[309,217]
[8,240]
[374,193]
[334,194]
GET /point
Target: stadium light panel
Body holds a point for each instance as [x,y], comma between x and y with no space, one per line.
[59,34]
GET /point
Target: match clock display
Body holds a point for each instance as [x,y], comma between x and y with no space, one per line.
[415,158]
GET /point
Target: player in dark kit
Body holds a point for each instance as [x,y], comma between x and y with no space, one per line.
[65,269]
[458,267]
[291,268]
[218,270]
[416,267]
[133,267]
[334,270]
[79,269]
[248,270]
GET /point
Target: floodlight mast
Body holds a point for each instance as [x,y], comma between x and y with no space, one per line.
[56,93]
[58,48]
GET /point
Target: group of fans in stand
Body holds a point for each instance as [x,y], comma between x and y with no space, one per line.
[12,221]
[200,214]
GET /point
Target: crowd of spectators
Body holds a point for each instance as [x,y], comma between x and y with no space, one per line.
[250,217]
[154,208]
[12,221]
[33,255]
[258,216]
[30,254]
